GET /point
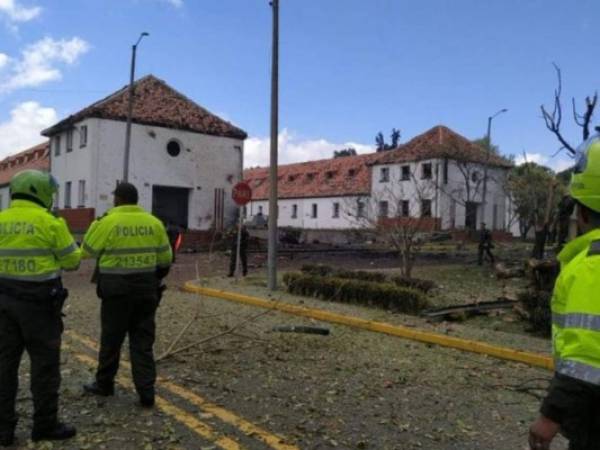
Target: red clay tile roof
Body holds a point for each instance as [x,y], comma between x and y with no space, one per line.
[335,177]
[155,103]
[330,178]
[33,158]
[441,142]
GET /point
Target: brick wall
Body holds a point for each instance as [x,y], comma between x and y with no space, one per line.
[78,219]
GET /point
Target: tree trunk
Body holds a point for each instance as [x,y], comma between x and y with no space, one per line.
[539,246]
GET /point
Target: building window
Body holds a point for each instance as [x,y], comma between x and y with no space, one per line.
[336,210]
[57,145]
[475,177]
[329,174]
[81,202]
[68,194]
[426,173]
[360,208]
[445,169]
[315,211]
[310,176]
[383,209]
[69,140]
[404,208]
[405,173]
[351,173]
[384,175]
[425,208]
[82,136]
[294,211]
[173,148]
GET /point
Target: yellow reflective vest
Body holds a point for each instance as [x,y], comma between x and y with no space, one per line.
[34,245]
[576,309]
[128,240]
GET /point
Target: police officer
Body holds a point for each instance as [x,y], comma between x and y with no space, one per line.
[573,401]
[485,245]
[133,255]
[34,247]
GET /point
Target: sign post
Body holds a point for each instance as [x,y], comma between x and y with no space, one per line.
[241,194]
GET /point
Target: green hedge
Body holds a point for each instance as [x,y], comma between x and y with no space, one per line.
[362,275]
[383,295]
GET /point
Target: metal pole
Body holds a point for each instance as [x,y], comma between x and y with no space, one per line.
[273,210]
[488,138]
[129,114]
[130,108]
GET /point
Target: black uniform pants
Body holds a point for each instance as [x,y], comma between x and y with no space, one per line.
[575,405]
[135,317]
[35,327]
[243,260]
[487,250]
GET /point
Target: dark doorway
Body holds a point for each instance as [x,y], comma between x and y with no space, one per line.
[170,204]
[471,216]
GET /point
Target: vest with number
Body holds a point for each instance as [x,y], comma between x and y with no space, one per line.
[128,240]
[35,246]
[576,310]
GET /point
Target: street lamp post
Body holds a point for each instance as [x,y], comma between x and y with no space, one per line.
[488,138]
[130,109]
[273,207]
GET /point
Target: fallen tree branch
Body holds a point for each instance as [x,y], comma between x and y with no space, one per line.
[216,336]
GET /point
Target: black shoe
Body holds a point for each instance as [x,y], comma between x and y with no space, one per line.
[147,400]
[7,439]
[96,389]
[60,432]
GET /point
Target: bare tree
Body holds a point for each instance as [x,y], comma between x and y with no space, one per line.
[397,215]
[553,119]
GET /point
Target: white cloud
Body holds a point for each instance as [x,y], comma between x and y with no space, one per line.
[15,12]
[175,3]
[39,62]
[293,148]
[555,163]
[4,59]
[22,129]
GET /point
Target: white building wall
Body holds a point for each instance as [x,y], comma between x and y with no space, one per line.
[204,164]
[304,219]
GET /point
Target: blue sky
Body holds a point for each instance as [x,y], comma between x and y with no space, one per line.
[349,68]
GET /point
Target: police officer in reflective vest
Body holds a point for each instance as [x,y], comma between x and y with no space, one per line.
[572,405]
[134,255]
[34,247]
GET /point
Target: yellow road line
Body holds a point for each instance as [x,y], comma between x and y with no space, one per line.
[200,428]
[248,428]
[533,359]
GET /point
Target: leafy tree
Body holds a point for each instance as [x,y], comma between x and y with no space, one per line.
[535,192]
[383,146]
[344,152]
[483,142]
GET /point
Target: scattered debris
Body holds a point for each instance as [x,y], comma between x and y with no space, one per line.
[471,309]
[302,329]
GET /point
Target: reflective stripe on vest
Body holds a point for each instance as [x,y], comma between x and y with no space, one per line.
[16,252]
[125,270]
[579,370]
[577,320]
[41,277]
[65,251]
[135,250]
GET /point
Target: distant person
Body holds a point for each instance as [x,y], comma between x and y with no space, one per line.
[134,255]
[173,233]
[485,245]
[243,251]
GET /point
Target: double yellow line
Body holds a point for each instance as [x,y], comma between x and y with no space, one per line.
[189,420]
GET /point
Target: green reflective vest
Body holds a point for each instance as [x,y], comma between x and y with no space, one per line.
[128,240]
[576,309]
[34,245]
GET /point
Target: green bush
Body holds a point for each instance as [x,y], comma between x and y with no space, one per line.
[362,275]
[383,295]
[414,283]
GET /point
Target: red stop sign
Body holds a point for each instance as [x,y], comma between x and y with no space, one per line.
[241,193]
